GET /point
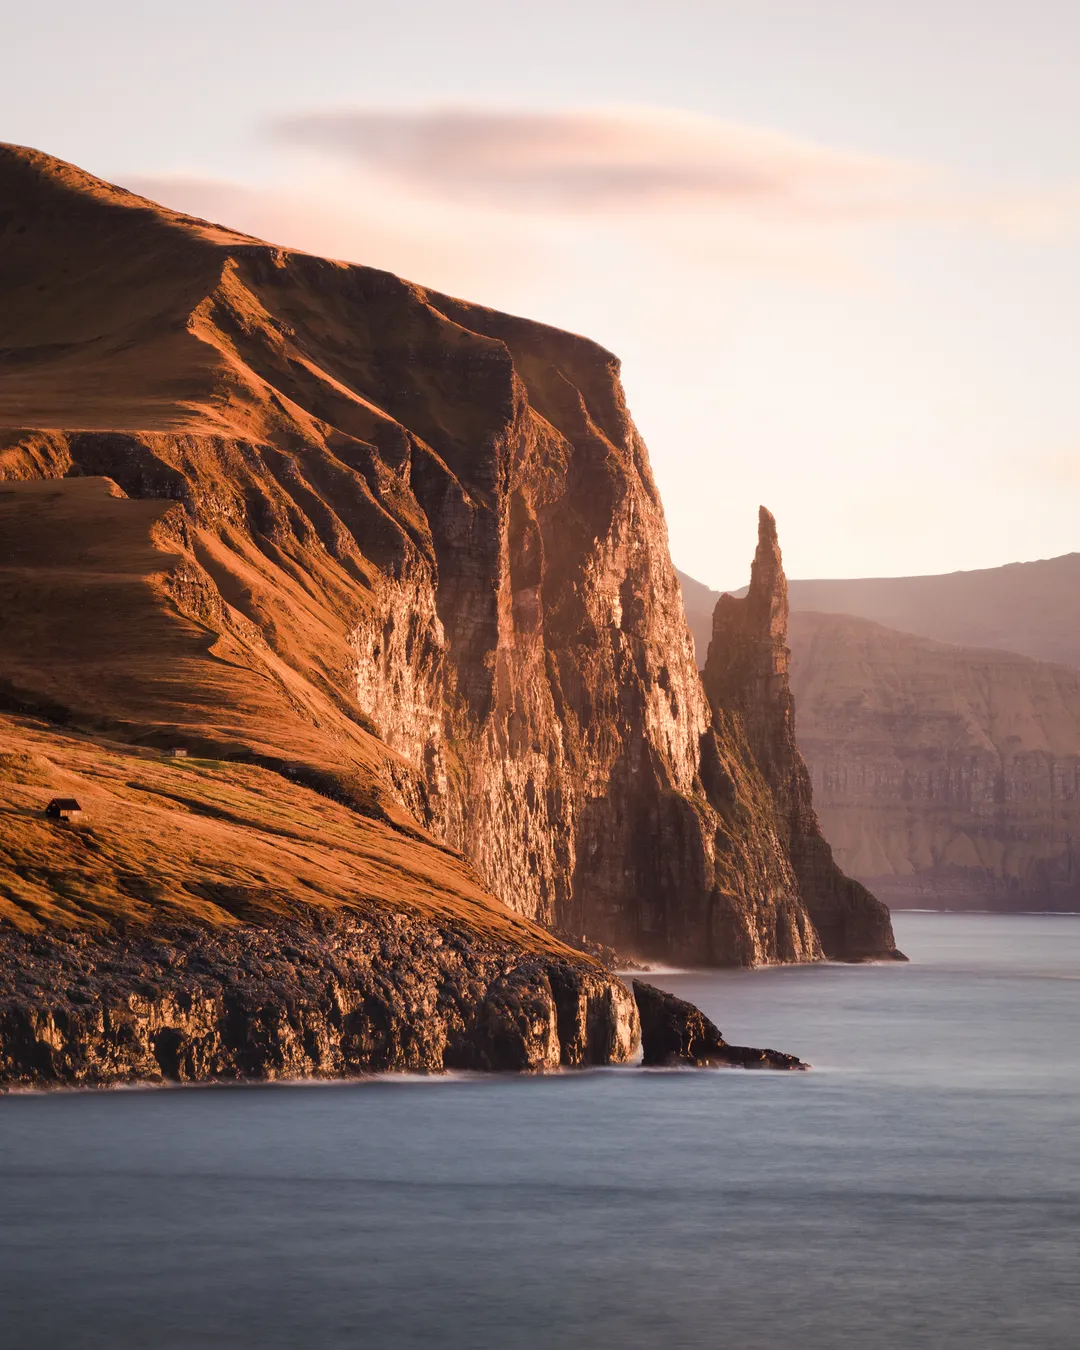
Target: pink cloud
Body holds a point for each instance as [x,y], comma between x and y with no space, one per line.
[601,161]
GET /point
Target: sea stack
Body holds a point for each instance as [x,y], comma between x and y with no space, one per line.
[746,676]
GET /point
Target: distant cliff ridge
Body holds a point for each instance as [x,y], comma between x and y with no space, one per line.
[382,549]
[944,776]
[1031,608]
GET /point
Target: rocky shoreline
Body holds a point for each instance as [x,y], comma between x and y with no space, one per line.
[328,998]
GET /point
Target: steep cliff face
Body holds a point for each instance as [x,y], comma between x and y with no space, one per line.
[944,776]
[416,560]
[746,674]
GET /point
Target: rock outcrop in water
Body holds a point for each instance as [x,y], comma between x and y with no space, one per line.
[746,673]
[359,548]
[674,1032]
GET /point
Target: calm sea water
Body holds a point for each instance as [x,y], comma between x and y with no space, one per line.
[920,1188]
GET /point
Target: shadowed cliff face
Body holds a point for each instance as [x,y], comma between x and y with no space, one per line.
[943,775]
[408,551]
[746,673]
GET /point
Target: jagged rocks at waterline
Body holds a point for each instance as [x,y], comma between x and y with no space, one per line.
[746,675]
[331,997]
[675,1032]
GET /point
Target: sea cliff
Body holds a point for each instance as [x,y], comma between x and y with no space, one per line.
[372,547]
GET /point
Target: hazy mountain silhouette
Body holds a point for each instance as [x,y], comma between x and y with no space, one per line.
[1032,608]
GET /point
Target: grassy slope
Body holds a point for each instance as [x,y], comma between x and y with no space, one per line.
[206,840]
[129,624]
[92,634]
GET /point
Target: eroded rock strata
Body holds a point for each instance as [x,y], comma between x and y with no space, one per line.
[400,553]
[944,774]
[675,1032]
[746,675]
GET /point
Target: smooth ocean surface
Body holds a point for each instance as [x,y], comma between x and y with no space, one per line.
[920,1188]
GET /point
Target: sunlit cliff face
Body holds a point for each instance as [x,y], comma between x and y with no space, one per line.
[428,539]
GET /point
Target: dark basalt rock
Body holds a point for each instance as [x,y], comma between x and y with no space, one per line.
[674,1032]
[330,997]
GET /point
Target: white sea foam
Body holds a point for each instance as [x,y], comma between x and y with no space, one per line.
[657,970]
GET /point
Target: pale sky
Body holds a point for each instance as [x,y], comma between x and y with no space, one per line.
[835,242]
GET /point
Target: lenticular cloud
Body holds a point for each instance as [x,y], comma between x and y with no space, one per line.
[603,160]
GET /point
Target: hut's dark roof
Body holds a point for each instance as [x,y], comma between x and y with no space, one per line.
[65,804]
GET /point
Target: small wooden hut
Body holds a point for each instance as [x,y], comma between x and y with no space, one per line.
[64,808]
